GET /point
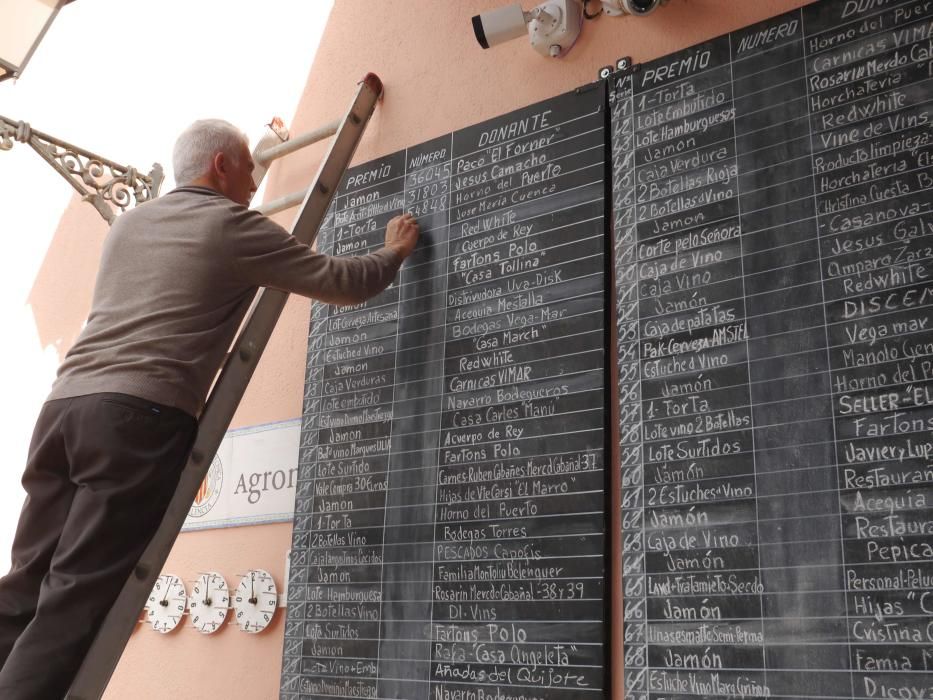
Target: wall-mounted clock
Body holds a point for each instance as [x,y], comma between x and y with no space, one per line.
[166,603]
[255,601]
[209,602]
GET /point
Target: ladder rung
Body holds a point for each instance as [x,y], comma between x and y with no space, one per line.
[294,143]
[282,203]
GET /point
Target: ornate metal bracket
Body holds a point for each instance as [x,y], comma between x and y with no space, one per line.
[99,181]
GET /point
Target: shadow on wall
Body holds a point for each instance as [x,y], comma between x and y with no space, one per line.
[61,294]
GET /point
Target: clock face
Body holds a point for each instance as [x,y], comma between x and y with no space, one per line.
[255,601]
[166,603]
[209,602]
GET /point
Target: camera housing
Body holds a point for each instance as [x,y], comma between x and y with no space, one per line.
[552,27]
[639,8]
[500,25]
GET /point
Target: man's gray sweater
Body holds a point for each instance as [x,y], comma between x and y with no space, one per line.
[176,278]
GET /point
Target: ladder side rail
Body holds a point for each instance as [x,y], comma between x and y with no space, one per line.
[105,652]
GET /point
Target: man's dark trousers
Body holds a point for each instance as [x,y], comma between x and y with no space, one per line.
[102,469]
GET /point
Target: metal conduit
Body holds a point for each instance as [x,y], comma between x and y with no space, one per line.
[282,203]
[293,144]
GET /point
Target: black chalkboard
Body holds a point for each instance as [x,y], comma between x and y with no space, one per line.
[773,263]
[449,532]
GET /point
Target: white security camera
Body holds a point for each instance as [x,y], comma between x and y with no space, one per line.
[500,25]
[552,26]
[639,8]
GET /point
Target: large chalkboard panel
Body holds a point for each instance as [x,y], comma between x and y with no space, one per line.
[449,520]
[774,255]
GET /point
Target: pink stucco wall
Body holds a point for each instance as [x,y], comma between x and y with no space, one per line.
[437,79]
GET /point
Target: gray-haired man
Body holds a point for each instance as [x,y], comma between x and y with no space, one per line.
[176,278]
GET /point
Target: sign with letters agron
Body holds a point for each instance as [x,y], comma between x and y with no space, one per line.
[251,479]
[773,225]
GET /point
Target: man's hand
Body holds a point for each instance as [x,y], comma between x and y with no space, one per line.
[402,234]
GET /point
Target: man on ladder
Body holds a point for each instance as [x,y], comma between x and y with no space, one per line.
[176,278]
